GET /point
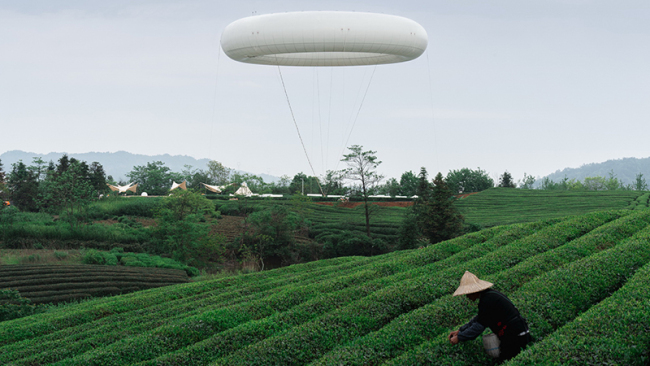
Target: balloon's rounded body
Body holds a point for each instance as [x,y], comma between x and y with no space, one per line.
[324,38]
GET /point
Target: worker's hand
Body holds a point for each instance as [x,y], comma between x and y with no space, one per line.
[453,337]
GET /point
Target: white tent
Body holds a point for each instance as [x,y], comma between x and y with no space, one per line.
[215,189]
[182,186]
[123,189]
[244,190]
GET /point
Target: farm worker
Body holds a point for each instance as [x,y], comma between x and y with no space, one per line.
[495,311]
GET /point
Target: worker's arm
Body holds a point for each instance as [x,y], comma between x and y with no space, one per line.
[468,324]
[471,330]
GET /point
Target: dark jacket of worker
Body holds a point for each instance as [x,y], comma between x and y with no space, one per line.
[497,312]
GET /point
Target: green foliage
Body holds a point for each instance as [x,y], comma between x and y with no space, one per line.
[640,183]
[114,205]
[361,168]
[254,182]
[348,243]
[23,187]
[60,255]
[395,308]
[302,183]
[218,173]
[552,299]
[467,180]
[194,177]
[43,284]
[437,217]
[406,186]
[154,178]
[505,181]
[14,306]
[119,257]
[590,183]
[180,204]
[94,257]
[68,190]
[333,183]
[499,206]
[434,319]
[527,182]
[272,232]
[181,233]
[409,232]
[623,339]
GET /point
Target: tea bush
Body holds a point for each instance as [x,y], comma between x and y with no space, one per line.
[390,309]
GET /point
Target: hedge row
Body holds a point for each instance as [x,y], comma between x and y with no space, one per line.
[156,315]
[47,323]
[251,332]
[376,270]
[42,287]
[26,269]
[614,332]
[416,327]
[25,281]
[640,202]
[549,301]
[310,341]
[429,254]
[189,330]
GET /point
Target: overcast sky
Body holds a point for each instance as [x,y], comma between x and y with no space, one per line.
[523,86]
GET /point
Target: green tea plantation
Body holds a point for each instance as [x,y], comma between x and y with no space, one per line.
[581,281]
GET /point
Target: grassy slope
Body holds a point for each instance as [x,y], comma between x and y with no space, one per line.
[394,308]
[501,206]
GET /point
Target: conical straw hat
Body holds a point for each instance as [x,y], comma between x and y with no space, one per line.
[470,284]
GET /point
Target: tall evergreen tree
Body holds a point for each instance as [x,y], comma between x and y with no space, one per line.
[64,163]
[423,188]
[23,187]
[506,181]
[97,177]
[440,220]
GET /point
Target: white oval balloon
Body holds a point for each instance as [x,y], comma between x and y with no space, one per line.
[324,38]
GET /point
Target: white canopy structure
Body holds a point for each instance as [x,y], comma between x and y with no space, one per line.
[182,186]
[215,189]
[324,38]
[123,189]
[244,190]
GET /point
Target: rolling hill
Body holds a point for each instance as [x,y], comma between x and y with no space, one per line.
[570,277]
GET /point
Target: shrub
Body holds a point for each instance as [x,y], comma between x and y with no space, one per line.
[93,256]
[60,255]
[615,331]
[13,306]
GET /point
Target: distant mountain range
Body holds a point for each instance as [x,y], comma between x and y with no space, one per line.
[117,164]
[625,170]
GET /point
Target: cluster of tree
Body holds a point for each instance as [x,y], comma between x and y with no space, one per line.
[63,187]
[181,231]
[433,217]
[610,183]
[155,178]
